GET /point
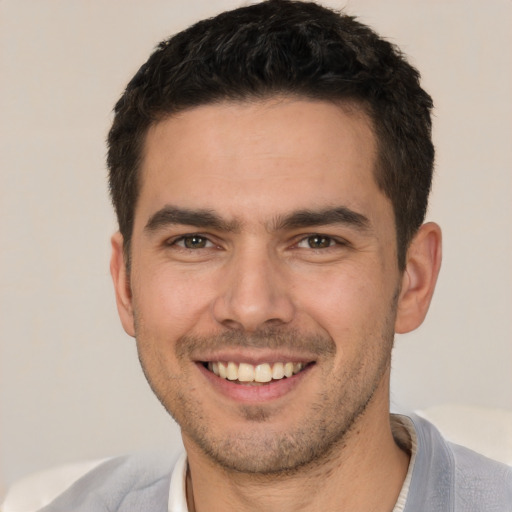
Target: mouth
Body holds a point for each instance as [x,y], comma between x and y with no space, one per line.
[250,374]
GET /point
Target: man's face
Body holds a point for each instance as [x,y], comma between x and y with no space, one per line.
[262,246]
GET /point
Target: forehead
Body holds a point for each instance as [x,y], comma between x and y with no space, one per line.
[250,157]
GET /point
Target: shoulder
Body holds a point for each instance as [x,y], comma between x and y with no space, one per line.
[449,477]
[478,479]
[129,483]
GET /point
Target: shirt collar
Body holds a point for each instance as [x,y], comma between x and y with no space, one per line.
[178,490]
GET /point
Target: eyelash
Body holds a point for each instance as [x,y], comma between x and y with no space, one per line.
[321,239]
[332,241]
[181,241]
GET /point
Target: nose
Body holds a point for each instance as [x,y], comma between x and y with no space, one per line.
[254,292]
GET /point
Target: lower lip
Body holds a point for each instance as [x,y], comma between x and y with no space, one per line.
[254,393]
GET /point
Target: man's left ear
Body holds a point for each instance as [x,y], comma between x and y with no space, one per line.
[419,278]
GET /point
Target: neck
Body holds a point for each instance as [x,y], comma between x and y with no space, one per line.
[364,472]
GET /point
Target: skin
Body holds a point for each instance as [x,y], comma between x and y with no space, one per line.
[254,281]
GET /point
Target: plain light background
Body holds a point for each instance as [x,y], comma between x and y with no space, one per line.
[71,386]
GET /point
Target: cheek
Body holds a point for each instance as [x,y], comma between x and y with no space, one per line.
[170,301]
[344,298]
[355,309]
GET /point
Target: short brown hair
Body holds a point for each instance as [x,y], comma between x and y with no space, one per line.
[283,47]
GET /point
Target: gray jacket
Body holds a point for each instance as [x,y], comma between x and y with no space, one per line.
[446,478]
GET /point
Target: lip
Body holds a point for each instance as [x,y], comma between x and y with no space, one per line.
[255,357]
[255,393]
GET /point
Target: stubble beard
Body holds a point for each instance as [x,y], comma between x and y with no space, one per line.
[259,449]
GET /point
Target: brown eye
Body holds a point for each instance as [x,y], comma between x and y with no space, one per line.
[193,242]
[316,242]
[319,241]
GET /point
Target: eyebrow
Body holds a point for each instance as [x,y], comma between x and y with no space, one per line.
[325,217]
[170,215]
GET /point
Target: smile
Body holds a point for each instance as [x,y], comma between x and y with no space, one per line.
[260,373]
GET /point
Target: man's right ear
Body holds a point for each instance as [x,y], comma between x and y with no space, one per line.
[122,286]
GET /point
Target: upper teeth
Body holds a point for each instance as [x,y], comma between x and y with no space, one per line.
[245,372]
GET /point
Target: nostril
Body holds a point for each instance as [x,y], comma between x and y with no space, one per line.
[233,325]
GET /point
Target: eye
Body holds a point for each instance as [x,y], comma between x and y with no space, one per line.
[193,242]
[316,242]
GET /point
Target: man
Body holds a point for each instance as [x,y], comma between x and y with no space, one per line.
[270,170]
